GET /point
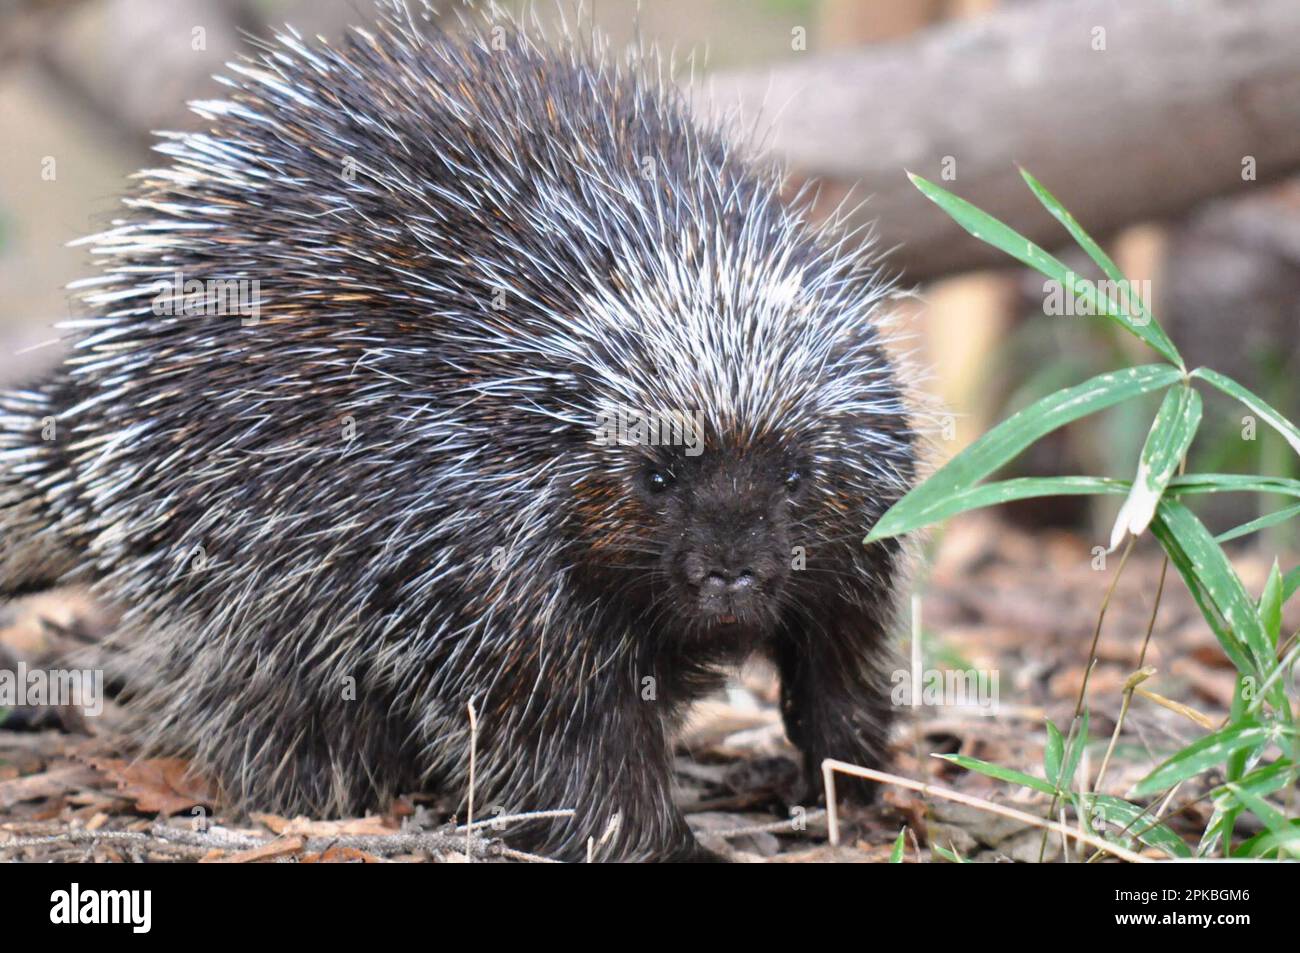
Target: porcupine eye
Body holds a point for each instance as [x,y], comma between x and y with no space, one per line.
[793,480]
[657,481]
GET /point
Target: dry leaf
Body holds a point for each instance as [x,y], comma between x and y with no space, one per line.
[157,785]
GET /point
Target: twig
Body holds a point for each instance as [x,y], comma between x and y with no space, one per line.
[775,827]
[829,766]
[1128,688]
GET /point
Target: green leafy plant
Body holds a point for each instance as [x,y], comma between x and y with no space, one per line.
[896,853]
[1257,749]
[948,853]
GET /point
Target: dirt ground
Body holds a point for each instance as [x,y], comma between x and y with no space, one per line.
[1019,608]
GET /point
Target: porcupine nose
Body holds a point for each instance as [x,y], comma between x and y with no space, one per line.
[722,582]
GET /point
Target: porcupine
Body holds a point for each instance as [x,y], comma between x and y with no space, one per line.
[387,495]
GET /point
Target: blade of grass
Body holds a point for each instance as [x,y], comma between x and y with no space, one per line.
[1290,584]
[1236,766]
[1009,438]
[949,855]
[1171,434]
[1204,562]
[896,855]
[1052,753]
[1268,815]
[1266,842]
[1256,403]
[1261,782]
[1254,526]
[1074,753]
[1232,483]
[1201,755]
[1138,313]
[1270,605]
[1186,567]
[1022,488]
[999,772]
[1118,811]
[988,229]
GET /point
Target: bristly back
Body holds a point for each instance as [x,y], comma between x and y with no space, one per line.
[489,195]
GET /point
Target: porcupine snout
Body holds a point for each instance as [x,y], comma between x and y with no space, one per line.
[734,531]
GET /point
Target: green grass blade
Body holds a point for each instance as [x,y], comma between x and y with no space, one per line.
[1170,435]
[1232,483]
[1270,816]
[1137,313]
[1232,646]
[1201,755]
[1052,753]
[896,855]
[926,503]
[988,229]
[1270,605]
[1264,522]
[1260,782]
[1075,753]
[1265,842]
[1020,488]
[1236,766]
[999,772]
[1290,584]
[949,855]
[1204,565]
[1256,403]
[1138,824]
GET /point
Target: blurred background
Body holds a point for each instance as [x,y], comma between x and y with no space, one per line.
[1169,129]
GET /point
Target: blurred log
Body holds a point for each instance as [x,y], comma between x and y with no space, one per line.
[1163,116]
[25,23]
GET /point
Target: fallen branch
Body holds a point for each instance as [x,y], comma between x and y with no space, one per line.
[1060,88]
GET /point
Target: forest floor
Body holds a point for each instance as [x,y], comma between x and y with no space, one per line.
[1017,609]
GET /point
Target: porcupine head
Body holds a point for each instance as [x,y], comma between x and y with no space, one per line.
[621,418]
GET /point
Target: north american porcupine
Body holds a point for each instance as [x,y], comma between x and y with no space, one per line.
[333,527]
